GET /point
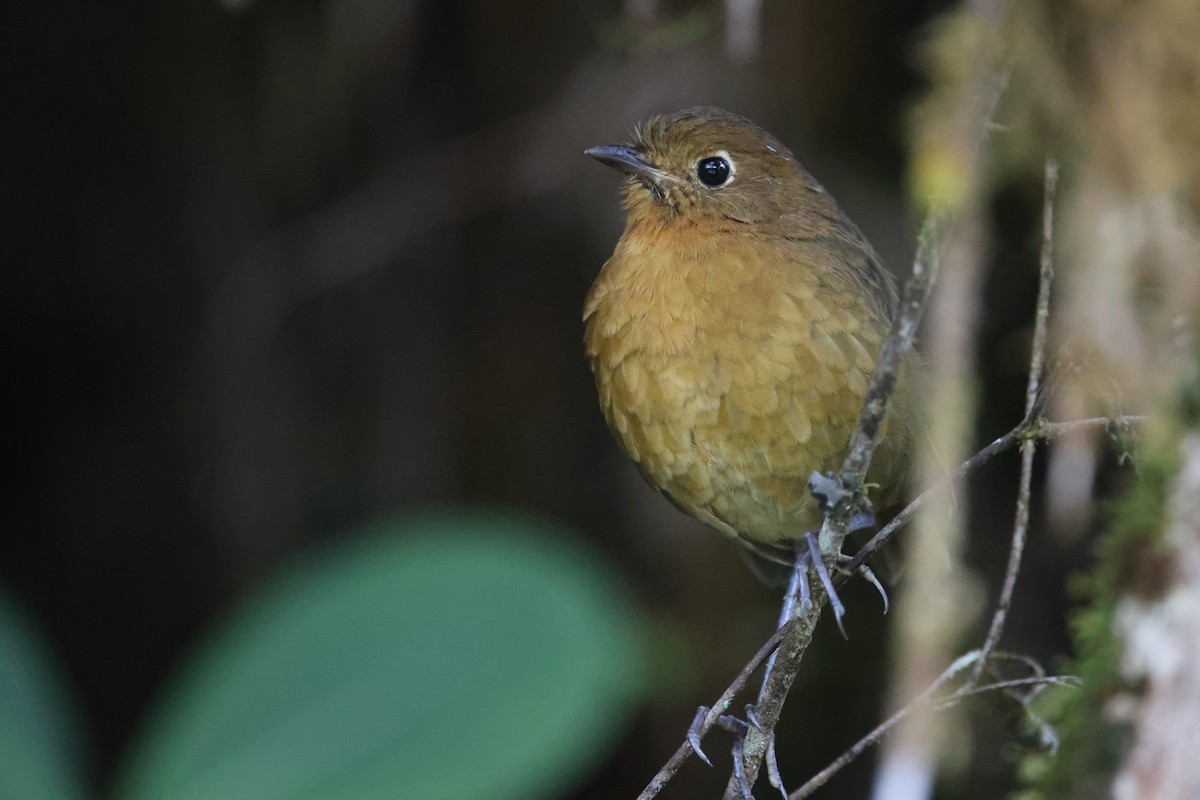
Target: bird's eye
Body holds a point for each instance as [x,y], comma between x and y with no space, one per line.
[713,171]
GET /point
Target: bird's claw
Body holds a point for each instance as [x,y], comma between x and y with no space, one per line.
[693,734]
[869,576]
[773,775]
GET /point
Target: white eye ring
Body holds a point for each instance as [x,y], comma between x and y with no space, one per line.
[717,170]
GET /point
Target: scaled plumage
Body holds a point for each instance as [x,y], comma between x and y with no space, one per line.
[734,330]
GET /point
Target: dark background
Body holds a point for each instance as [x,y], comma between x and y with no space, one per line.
[274,269]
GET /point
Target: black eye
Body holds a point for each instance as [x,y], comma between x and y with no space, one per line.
[713,171]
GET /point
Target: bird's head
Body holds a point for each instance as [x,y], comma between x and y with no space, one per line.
[705,163]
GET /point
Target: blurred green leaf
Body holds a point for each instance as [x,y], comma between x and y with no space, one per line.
[452,656]
[39,738]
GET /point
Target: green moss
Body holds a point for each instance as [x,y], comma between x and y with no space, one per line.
[1131,559]
[1091,741]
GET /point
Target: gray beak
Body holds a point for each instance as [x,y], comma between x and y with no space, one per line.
[624,158]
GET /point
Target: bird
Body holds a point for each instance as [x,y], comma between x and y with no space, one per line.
[734,330]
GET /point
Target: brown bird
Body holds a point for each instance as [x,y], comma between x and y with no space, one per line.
[735,328]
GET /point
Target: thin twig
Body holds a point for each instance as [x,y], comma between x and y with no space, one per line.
[1026,430]
[1033,389]
[819,780]
[721,706]
[1070,681]
[1005,442]
[960,664]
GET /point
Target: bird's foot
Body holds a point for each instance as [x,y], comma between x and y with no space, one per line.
[726,721]
[798,596]
[739,728]
[861,521]
[835,602]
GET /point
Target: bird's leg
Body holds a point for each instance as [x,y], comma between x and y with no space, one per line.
[797,593]
[835,602]
[739,728]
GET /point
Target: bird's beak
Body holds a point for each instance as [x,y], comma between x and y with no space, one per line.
[626,159]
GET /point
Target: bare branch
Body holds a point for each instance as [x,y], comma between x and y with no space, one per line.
[1070,681]
[960,664]
[1028,429]
[1033,388]
[819,780]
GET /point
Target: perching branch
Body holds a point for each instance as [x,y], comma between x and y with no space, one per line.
[841,508]
[721,706]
